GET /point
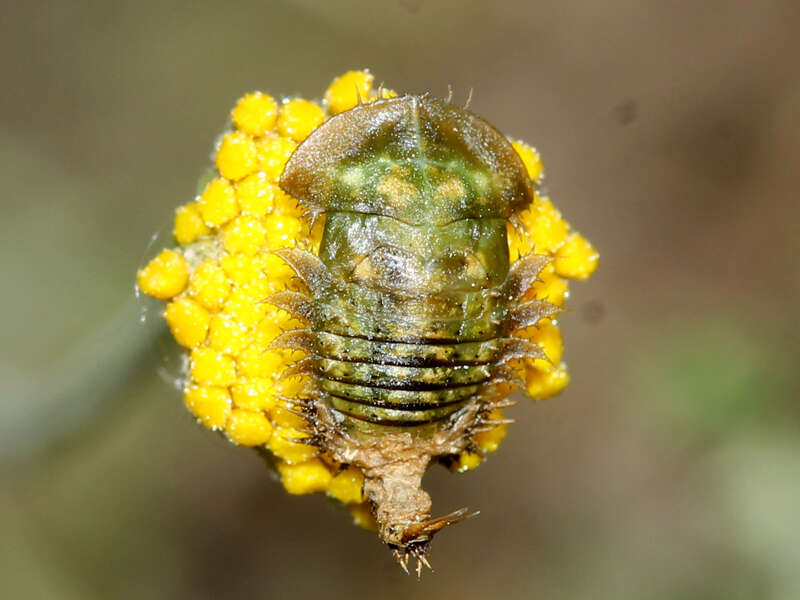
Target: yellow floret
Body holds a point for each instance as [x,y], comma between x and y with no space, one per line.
[298,118]
[273,153]
[244,308]
[283,446]
[255,113]
[545,226]
[489,441]
[209,285]
[576,258]
[248,428]
[467,461]
[276,270]
[240,268]
[550,287]
[282,232]
[282,417]
[254,393]
[346,90]
[363,517]
[210,367]
[255,194]
[211,405]
[188,322]
[530,158]
[519,243]
[165,276]
[305,478]
[542,385]
[237,156]
[218,203]
[227,335]
[292,387]
[257,362]
[223,312]
[347,486]
[244,234]
[189,224]
[286,205]
[548,337]
[268,329]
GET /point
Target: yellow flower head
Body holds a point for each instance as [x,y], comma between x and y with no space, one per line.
[218,280]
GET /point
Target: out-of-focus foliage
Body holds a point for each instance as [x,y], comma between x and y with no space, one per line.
[668,467]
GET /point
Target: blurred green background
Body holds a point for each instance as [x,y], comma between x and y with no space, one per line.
[669,469]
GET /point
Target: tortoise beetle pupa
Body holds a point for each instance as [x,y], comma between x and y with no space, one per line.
[360,290]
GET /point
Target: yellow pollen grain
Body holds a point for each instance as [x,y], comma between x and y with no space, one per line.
[347,486]
[209,285]
[298,118]
[189,224]
[237,156]
[255,113]
[211,405]
[165,276]
[347,90]
[188,322]
[209,367]
[218,203]
[248,428]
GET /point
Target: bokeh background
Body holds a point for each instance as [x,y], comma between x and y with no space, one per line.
[669,469]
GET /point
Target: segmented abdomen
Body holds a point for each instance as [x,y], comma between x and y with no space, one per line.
[393,369]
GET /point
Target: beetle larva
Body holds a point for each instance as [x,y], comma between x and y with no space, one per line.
[362,305]
[412,303]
